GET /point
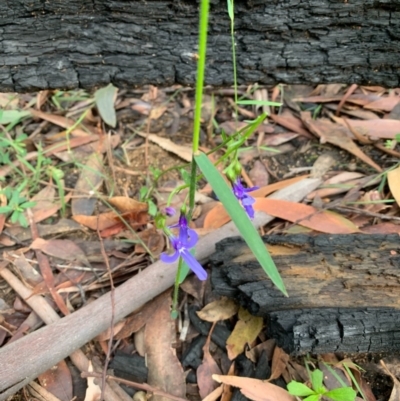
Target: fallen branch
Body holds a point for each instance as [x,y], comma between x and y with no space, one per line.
[26,358]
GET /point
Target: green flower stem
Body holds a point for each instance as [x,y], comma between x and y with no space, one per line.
[200,72]
[231,13]
[174,309]
[192,188]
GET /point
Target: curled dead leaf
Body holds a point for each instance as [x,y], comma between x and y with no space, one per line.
[256,390]
[221,309]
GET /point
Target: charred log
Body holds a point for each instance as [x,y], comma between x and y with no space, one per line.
[343,290]
[85,43]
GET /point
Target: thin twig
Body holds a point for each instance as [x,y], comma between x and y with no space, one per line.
[112,298]
[348,209]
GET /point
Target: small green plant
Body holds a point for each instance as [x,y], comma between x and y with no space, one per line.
[16,206]
[318,390]
[391,143]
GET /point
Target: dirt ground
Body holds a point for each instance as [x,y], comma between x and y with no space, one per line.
[139,166]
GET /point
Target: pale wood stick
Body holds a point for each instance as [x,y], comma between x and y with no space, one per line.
[44,310]
[25,359]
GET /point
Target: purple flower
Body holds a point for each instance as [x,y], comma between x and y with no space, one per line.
[187,239]
[242,195]
[170,211]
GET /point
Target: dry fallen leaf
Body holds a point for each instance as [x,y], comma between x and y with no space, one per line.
[259,174]
[218,216]
[393,177]
[379,128]
[136,321]
[290,122]
[100,222]
[58,381]
[165,371]
[184,152]
[384,104]
[61,122]
[60,248]
[395,395]
[206,370]
[279,362]
[382,228]
[45,206]
[246,330]
[215,394]
[307,216]
[125,204]
[256,390]
[89,181]
[337,135]
[221,309]
[266,346]
[347,180]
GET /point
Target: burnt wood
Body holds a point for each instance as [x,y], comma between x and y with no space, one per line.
[343,290]
[85,43]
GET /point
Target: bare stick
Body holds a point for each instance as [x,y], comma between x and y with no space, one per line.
[25,359]
[49,316]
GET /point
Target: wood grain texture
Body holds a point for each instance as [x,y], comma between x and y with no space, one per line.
[343,290]
[86,43]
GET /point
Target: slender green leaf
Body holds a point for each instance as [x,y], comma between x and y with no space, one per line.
[299,389]
[240,218]
[13,116]
[105,98]
[341,394]
[259,103]
[230,9]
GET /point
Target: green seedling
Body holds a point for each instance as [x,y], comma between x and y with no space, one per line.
[57,175]
[16,206]
[318,390]
[145,196]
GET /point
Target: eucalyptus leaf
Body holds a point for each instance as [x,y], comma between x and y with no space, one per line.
[105,98]
[240,218]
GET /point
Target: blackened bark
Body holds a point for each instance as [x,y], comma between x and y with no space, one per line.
[343,290]
[87,43]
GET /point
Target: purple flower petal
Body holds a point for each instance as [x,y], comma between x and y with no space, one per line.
[194,265]
[246,200]
[183,223]
[169,258]
[191,239]
[187,239]
[170,211]
[250,211]
[251,189]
